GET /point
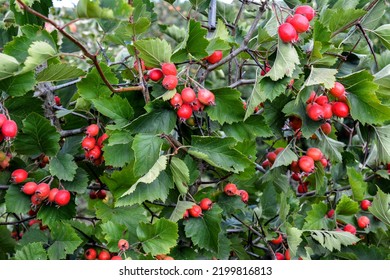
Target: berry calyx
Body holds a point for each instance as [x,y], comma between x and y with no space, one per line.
[195,211]
[29,188]
[300,23]
[364,204]
[340,109]
[176,101]
[350,228]
[9,129]
[214,57]
[88,143]
[156,74]
[104,255]
[170,82]
[92,130]
[287,33]
[169,69]
[305,10]
[306,164]
[314,153]
[188,95]
[363,221]
[277,240]
[123,245]
[35,200]
[62,197]
[19,175]
[230,189]
[197,106]
[184,112]
[337,90]
[206,204]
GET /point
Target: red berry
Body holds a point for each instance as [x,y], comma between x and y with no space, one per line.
[279,256]
[156,74]
[214,57]
[326,128]
[35,200]
[92,130]
[278,240]
[188,95]
[101,139]
[266,70]
[195,211]
[206,204]
[364,204]
[271,156]
[295,123]
[123,245]
[337,90]
[296,176]
[230,189]
[340,109]
[52,194]
[95,153]
[206,97]
[9,129]
[294,167]
[57,100]
[350,228]
[169,69]
[176,101]
[305,10]
[19,175]
[197,106]
[302,188]
[314,153]
[244,195]
[114,258]
[287,33]
[322,100]
[90,254]
[88,143]
[363,221]
[101,194]
[170,82]
[324,162]
[315,111]
[184,112]
[42,191]
[312,97]
[300,23]
[266,164]
[330,213]
[3,118]
[62,197]
[104,255]
[186,214]
[92,195]
[278,150]
[306,164]
[328,113]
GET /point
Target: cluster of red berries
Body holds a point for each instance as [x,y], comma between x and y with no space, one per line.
[232,190]
[93,145]
[9,128]
[91,253]
[196,210]
[298,23]
[271,157]
[286,256]
[100,194]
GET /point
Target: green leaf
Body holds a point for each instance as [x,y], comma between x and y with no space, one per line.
[118,155]
[346,206]
[383,143]
[264,89]
[91,9]
[7,243]
[204,231]
[382,79]
[63,167]
[285,157]
[20,107]
[230,204]
[293,239]
[116,108]
[38,52]
[33,235]
[18,85]
[179,210]
[117,137]
[321,76]
[380,207]
[16,201]
[332,240]
[331,148]
[226,100]
[32,251]
[285,62]
[38,137]
[315,218]
[158,238]
[154,51]
[59,72]
[364,104]
[358,185]
[220,153]
[51,214]
[383,33]
[79,183]
[181,174]
[155,122]
[112,233]
[252,127]
[338,18]
[66,241]
[146,152]
[8,66]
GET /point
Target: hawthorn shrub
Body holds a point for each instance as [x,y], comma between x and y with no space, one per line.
[195,130]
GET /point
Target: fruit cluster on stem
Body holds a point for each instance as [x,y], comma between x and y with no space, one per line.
[93,145]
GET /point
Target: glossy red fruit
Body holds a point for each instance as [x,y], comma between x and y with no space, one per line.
[278,150]
[195,211]
[328,113]
[230,189]
[170,82]
[300,23]
[206,97]
[266,164]
[279,256]
[3,118]
[156,74]
[302,188]
[295,123]
[88,143]
[364,204]
[104,255]
[363,222]
[312,97]
[350,228]
[92,130]
[52,194]
[42,191]
[305,10]
[287,255]
[314,153]
[176,101]
[184,112]
[206,204]
[215,57]
[294,167]
[324,162]
[116,258]
[315,111]
[123,245]
[322,100]
[287,33]
[244,195]
[188,95]
[277,240]
[265,70]
[9,129]
[326,128]
[101,139]
[337,90]
[101,194]
[306,164]
[340,109]
[330,213]
[95,153]
[92,195]
[169,69]
[57,100]
[296,176]
[90,254]
[197,106]
[62,197]
[35,200]
[19,175]
[271,156]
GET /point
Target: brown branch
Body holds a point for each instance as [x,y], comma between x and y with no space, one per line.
[18,221]
[243,82]
[369,43]
[72,132]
